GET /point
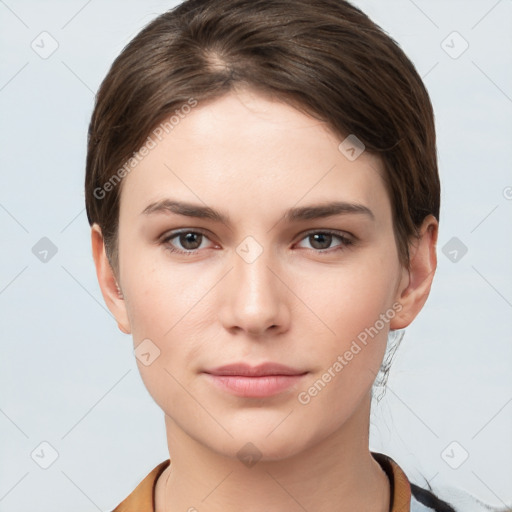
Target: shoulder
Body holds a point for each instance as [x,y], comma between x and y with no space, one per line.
[412,497]
[447,499]
[142,498]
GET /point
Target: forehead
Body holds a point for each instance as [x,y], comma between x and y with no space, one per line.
[254,154]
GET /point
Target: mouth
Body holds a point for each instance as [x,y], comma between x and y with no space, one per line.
[261,381]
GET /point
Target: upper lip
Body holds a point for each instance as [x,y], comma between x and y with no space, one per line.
[255,371]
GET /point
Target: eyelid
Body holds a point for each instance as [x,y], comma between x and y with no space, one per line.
[174,232]
[335,232]
[170,235]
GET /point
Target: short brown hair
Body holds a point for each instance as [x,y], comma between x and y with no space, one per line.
[324,57]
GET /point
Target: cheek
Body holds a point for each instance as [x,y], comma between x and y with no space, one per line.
[358,311]
[350,299]
[167,304]
[360,330]
[356,303]
[161,311]
[155,296]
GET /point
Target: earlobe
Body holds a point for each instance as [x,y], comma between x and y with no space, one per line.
[416,283]
[110,289]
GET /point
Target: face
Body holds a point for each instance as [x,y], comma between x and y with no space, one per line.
[247,236]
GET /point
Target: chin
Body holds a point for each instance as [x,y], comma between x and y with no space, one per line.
[251,445]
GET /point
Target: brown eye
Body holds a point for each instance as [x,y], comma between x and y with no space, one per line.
[321,241]
[184,242]
[189,241]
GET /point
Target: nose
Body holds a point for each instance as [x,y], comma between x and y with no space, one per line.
[255,298]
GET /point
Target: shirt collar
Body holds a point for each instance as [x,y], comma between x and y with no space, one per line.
[400,499]
[142,498]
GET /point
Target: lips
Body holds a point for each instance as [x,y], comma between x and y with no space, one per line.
[245,370]
[261,381]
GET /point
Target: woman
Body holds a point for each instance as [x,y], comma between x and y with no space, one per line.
[230,141]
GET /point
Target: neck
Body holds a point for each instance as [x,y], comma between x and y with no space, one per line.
[338,474]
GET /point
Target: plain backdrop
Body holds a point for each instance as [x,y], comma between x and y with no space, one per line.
[71,397]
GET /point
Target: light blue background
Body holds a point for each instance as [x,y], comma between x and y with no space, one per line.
[68,376]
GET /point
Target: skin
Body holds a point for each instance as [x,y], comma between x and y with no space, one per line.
[301,303]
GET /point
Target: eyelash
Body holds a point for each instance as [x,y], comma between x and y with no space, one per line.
[345,241]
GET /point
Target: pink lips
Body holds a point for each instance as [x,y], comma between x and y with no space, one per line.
[260,381]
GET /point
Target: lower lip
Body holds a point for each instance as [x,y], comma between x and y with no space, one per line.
[255,387]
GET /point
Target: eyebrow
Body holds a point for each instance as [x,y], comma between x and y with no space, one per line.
[295,214]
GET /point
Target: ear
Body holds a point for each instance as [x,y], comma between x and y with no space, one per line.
[416,281]
[107,280]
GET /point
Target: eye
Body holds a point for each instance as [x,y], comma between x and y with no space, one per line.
[189,240]
[321,241]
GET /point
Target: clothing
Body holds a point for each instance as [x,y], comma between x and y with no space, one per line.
[405,497]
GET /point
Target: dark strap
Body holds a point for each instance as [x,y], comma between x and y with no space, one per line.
[429,499]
